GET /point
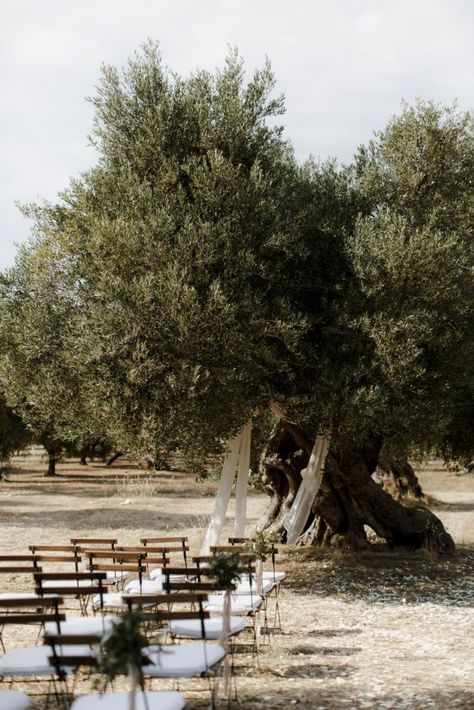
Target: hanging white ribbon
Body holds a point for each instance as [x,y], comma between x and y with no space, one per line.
[238,456]
[242,481]
[301,507]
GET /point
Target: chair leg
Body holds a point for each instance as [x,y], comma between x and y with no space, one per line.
[276,614]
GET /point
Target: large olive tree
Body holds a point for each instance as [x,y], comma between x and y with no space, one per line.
[209,275]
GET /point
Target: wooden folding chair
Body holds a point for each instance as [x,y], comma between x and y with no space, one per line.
[75,585]
[17,565]
[187,660]
[62,658]
[61,557]
[134,563]
[30,662]
[273,575]
[155,550]
[168,540]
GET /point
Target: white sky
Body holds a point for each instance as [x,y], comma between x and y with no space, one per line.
[343,65]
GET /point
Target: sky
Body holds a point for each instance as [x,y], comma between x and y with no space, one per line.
[344,67]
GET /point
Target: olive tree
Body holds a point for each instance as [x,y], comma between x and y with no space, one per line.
[210,275]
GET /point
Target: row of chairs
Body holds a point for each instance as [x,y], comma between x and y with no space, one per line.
[153,583]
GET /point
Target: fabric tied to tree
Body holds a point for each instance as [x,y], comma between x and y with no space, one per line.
[242,481]
[301,508]
[237,459]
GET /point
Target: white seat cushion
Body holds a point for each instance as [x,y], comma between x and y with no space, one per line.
[148,586]
[113,600]
[17,595]
[13,700]
[182,661]
[244,587]
[33,660]
[81,625]
[240,604]
[53,583]
[21,595]
[213,627]
[274,576]
[155,700]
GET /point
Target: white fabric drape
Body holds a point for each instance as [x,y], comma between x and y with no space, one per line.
[237,458]
[242,481]
[301,507]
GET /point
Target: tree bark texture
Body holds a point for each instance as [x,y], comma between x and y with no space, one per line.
[349,499]
[400,480]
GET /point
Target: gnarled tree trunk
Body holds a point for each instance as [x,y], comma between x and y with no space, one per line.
[349,499]
[52,458]
[400,480]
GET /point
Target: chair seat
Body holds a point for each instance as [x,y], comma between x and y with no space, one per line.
[274,576]
[157,573]
[182,661]
[155,700]
[82,625]
[113,600]
[240,604]
[148,586]
[245,588]
[13,700]
[212,627]
[33,660]
[54,583]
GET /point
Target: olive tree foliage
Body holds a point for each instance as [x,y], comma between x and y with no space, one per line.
[413,257]
[201,272]
[197,273]
[38,322]
[14,435]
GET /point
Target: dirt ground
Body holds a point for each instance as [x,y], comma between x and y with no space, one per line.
[379,630]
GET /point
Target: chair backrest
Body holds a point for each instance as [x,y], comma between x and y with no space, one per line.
[165,539]
[124,561]
[68,584]
[198,586]
[193,610]
[31,610]
[169,540]
[205,576]
[234,549]
[62,658]
[237,541]
[153,552]
[92,541]
[10,564]
[57,553]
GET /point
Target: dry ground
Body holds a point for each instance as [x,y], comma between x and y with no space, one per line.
[370,631]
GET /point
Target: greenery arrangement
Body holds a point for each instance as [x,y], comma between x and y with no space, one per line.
[224,567]
[121,651]
[261,544]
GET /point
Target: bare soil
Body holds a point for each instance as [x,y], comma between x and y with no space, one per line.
[379,630]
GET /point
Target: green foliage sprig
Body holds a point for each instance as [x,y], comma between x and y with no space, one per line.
[224,567]
[121,650]
[261,544]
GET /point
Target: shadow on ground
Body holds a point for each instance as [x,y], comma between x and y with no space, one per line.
[102,519]
[386,578]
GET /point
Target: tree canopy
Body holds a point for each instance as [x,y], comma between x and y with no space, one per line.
[197,273]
